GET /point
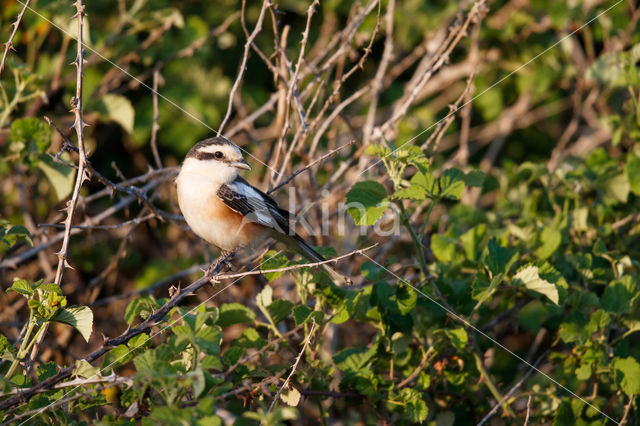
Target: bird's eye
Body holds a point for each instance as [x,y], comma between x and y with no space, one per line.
[218,155]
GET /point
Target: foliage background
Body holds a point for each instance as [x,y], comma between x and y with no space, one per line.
[532,238]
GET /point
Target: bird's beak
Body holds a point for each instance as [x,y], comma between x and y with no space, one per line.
[241,165]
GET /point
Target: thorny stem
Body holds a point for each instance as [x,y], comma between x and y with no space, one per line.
[76,103]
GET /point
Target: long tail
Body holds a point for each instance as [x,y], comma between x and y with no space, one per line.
[297,243]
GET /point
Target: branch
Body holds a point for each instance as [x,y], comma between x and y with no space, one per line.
[512,391]
[81,176]
[153,320]
[308,166]
[9,44]
[243,64]
[295,365]
[291,268]
[112,379]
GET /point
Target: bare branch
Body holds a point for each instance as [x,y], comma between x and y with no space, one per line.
[295,365]
[243,63]
[9,44]
[308,166]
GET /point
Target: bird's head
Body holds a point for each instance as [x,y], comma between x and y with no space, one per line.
[215,158]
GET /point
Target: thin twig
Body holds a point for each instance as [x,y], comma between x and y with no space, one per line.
[293,267]
[81,175]
[155,126]
[243,64]
[9,44]
[627,410]
[136,221]
[308,166]
[112,378]
[512,391]
[526,419]
[295,365]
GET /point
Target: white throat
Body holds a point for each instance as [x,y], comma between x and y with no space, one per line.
[210,172]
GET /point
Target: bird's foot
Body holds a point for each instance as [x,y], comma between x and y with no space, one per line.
[222,262]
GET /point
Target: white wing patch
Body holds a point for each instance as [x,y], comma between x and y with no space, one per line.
[262,213]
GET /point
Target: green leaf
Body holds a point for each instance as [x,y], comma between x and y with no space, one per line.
[85,370]
[234,313]
[458,337]
[500,258]
[30,137]
[279,310]
[443,248]
[551,240]
[366,202]
[449,185]
[273,260]
[618,187]
[301,314]
[22,287]
[629,369]
[46,370]
[564,415]
[413,192]
[529,277]
[474,178]
[353,359]
[79,317]
[632,169]
[61,176]
[117,108]
[406,298]
[481,287]
[142,306]
[471,241]
[583,372]
[415,409]
[617,297]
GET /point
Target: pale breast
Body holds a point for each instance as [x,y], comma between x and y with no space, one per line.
[211,219]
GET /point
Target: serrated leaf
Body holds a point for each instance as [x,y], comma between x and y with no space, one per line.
[471,241]
[301,314]
[22,287]
[413,192]
[617,297]
[61,176]
[530,278]
[119,109]
[618,187]
[458,337]
[265,297]
[481,287]
[629,370]
[551,240]
[142,306]
[273,260]
[234,313]
[291,397]
[85,370]
[366,202]
[279,310]
[443,248]
[474,178]
[500,258]
[353,359]
[632,169]
[79,317]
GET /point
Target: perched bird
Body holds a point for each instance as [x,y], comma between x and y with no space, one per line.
[225,210]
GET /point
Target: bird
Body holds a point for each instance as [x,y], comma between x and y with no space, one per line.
[226,211]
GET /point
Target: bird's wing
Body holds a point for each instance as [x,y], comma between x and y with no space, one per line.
[254,205]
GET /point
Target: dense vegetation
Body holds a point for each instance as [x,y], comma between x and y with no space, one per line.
[475,166]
